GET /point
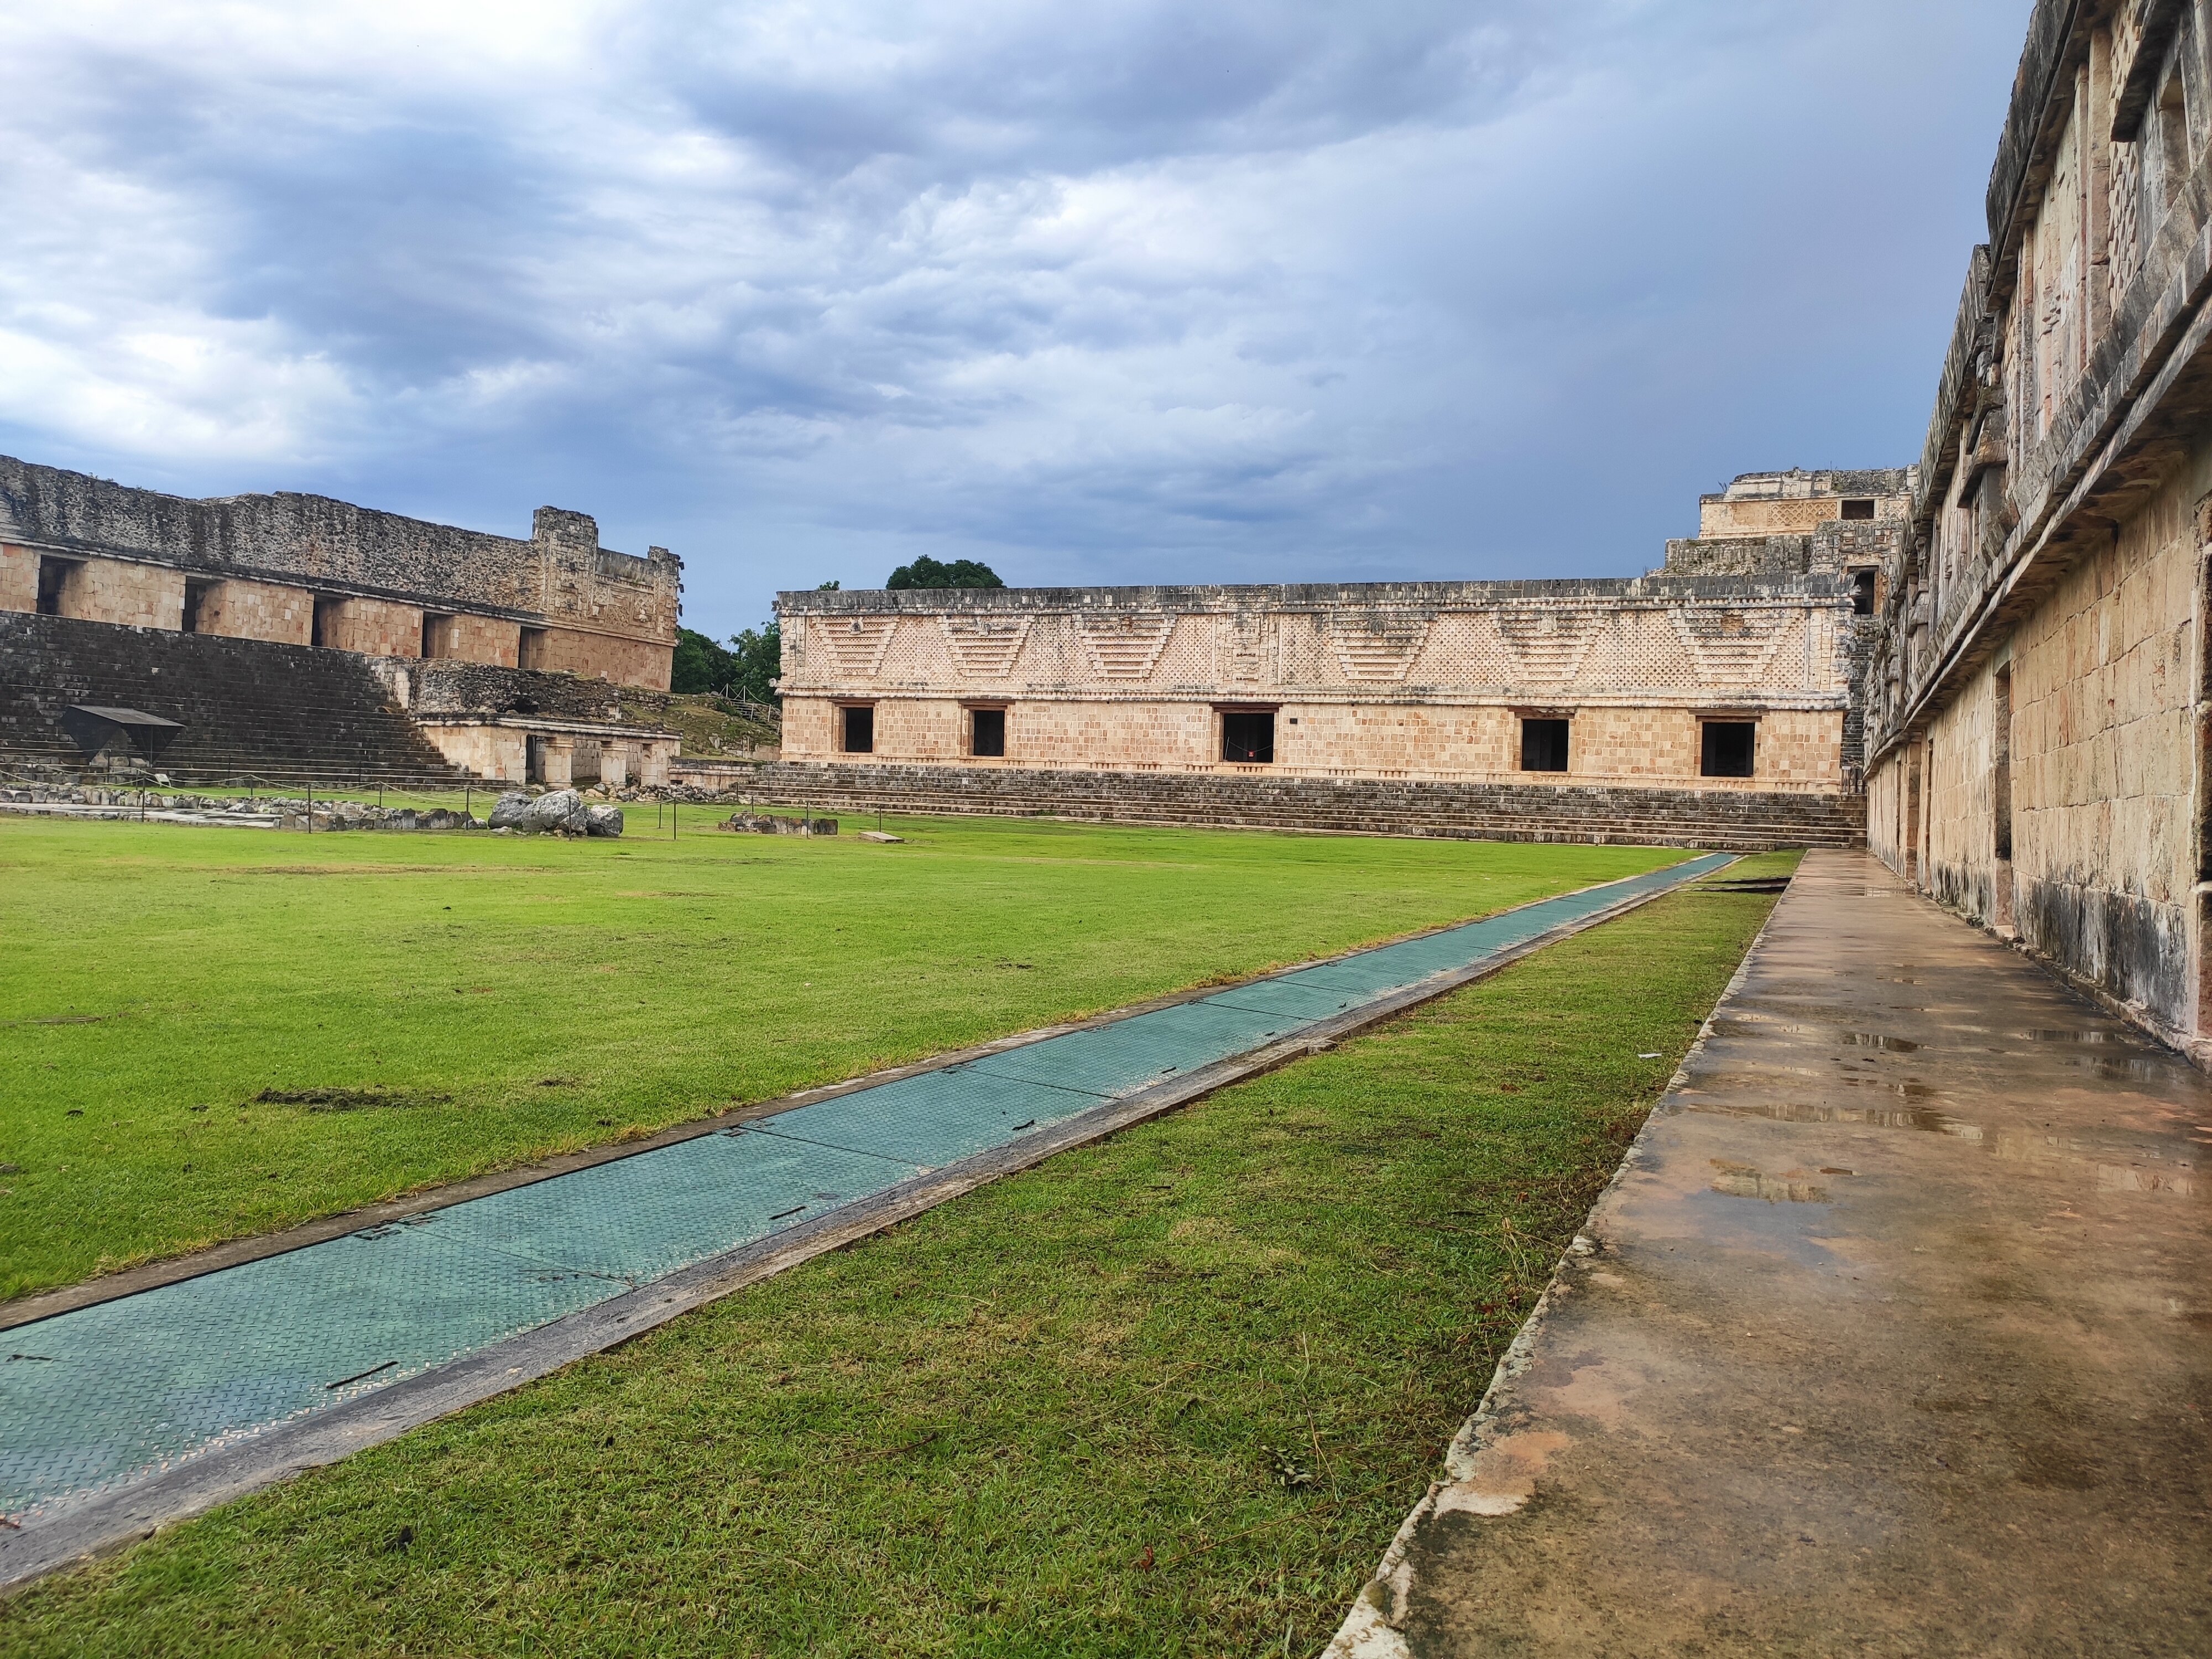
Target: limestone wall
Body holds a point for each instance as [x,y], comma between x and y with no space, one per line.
[240,610]
[604,613]
[600,656]
[19,578]
[2106,759]
[1760,505]
[488,751]
[133,595]
[492,640]
[2038,668]
[375,628]
[1376,680]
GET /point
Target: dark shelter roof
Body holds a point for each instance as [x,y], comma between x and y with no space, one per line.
[95,727]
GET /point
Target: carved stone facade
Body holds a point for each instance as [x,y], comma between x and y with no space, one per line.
[2036,691]
[307,570]
[1727,684]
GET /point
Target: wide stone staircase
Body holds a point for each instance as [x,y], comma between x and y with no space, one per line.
[281,714]
[1737,820]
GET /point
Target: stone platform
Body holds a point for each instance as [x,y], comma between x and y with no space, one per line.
[1735,820]
[1891,1337]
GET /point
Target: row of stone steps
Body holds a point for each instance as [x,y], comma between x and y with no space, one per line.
[248,707]
[1735,820]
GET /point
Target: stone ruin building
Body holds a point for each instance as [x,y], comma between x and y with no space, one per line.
[2039,689]
[1712,700]
[294,635]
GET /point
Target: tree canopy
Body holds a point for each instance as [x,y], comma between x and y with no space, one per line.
[926,572]
[746,668]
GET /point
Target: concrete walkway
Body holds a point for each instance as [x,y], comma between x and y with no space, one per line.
[1890,1338]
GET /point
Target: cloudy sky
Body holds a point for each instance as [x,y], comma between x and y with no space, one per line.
[1114,291]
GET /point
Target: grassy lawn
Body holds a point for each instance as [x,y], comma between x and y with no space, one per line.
[1169,1394]
[448,1003]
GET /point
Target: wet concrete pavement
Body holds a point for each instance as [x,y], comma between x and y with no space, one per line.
[1890,1338]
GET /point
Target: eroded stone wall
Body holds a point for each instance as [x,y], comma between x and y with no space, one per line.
[237,609]
[130,595]
[1382,680]
[598,612]
[2037,682]
[19,578]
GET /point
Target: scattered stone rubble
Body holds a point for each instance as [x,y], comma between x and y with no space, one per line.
[764,823]
[561,811]
[260,812]
[557,812]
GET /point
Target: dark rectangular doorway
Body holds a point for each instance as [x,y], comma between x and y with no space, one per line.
[1247,736]
[988,732]
[53,585]
[860,729]
[1544,745]
[1728,749]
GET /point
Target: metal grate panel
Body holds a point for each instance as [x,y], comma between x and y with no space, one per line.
[640,1217]
[1131,1054]
[930,1120]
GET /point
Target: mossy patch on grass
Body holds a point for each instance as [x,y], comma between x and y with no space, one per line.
[1168,1394]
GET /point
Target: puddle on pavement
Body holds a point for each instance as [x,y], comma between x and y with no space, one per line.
[2128,1068]
[2123,1168]
[1875,1040]
[1746,1023]
[1907,1090]
[1734,1180]
[1873,1117]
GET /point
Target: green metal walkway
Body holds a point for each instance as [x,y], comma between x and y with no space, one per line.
[97,1398]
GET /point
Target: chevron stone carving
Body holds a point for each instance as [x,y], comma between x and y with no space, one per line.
[858,643]
[1126,646]
[1372,648]
[1547,647]
[1729,647]
[985,646]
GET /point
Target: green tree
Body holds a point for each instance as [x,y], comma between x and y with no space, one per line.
[747,668]
[926,572]
[759,660]
[699,664]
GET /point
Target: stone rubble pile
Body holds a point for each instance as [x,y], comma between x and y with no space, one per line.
[686,794]
[762,823]
[558,812]
[96,795]
[269,812]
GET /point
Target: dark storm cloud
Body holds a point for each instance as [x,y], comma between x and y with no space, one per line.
[1115,292]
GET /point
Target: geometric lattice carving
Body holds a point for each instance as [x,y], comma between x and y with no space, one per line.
[1729,647]
[1126,644]
[1464,649]
[857,642]
[985,646]
[1377,644]
[1547,646]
